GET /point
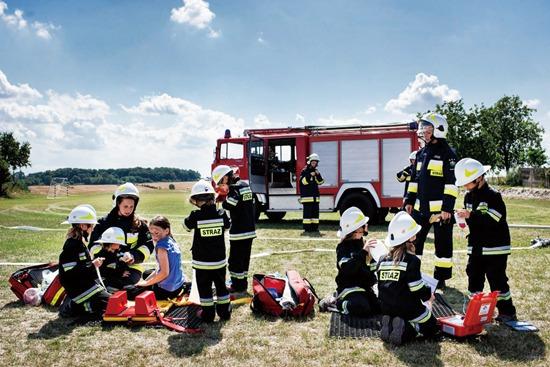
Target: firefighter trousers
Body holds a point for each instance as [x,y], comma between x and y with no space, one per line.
[418,319]
[310,217]
[238,263]
[443,243]
[494,268]
[222,305]
[93,307]
[361,304]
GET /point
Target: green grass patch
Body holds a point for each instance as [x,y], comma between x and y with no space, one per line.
[36,336]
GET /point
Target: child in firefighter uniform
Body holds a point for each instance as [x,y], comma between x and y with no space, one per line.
[138,238]
[240,204]
[400,286]
[208,251]
[489,238]
[432,193]
[110,247]
[310,179]
[77,270]
[405,174]
[356,268]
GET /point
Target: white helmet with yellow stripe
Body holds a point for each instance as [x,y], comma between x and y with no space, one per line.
[113,235]
[402,227]
[351,220]
[82,214]
[467,170]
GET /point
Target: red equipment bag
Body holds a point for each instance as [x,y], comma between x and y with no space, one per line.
[269,290]
[33,277]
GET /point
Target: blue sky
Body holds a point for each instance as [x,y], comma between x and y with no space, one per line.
[153,83]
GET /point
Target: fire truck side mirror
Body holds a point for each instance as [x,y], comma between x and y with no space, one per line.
[413,125]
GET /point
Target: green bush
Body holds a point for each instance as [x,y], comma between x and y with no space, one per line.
[513,178]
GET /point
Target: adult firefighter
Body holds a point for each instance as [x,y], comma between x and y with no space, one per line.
[310,179]
[432,193]
[240,204]
[138,238]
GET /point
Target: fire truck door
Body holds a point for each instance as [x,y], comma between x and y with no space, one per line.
[257,159]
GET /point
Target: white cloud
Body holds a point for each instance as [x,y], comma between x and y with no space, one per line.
[260,38]
[422,94]
[261,122]
[20,91]
[331,121]
[196,14]
[300,119]
[17,21]
[532,103]
[370,110]
[43,30]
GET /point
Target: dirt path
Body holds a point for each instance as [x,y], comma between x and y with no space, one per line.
[79,189]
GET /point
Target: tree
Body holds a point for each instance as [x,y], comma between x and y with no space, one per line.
[518,136]
[503,135]
[13,155]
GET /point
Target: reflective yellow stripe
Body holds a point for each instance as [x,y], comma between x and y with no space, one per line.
[413,187]
[451,190]
[57,295]
[443,262]
[137,267]
[436,205]
[319,182]
[307,200]
[304,181]
[145,251]
[417,205]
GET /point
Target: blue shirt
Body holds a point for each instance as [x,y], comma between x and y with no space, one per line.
[175,277]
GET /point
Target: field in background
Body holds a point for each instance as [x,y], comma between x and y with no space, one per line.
[36,336]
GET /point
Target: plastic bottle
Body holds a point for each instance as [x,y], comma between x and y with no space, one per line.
[460,221]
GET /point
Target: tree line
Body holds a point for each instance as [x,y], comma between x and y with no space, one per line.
[503,135]
[77,176]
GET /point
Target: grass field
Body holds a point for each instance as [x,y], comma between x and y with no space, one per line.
[36,336]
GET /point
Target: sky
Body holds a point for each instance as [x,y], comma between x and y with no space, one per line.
[151,83]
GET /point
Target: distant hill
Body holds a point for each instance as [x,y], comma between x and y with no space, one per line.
[112,176]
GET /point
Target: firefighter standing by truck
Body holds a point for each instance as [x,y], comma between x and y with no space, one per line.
[489,238]
[310,179]
[432,193]
[138,237]
[240,204]
[405,174]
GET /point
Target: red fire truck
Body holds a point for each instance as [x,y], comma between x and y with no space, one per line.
[358,164]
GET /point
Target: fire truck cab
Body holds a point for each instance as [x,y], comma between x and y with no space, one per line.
[358,164]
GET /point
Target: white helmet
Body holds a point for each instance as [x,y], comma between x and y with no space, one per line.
[202,187]
[439,122]
[219,172]
[312,157]
[127,189]
[113,235]
[352,218]
[401,228]
[467,170]
[82,214]
[412,156]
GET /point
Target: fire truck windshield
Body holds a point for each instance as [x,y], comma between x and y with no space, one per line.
[231,151]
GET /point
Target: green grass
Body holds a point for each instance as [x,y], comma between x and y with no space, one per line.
[36,336]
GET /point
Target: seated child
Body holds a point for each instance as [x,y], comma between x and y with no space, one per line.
[208,251]
[355,267]
[489,238]
[77,270]
[167,281]
[400,286]
[109,247]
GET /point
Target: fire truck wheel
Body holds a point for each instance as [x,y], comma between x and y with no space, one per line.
[275,216]
[361,201]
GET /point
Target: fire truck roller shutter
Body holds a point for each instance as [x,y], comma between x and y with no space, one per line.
[361,199]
